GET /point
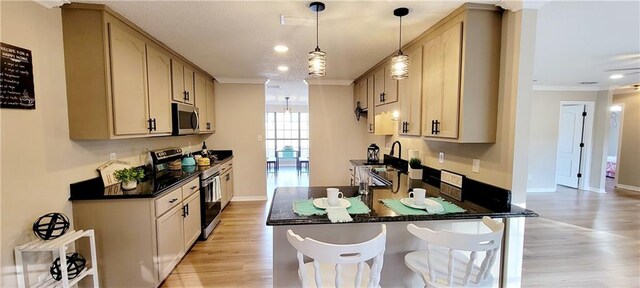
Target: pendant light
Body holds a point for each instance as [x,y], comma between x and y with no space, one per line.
[287,110]
[400,62]
[317,57]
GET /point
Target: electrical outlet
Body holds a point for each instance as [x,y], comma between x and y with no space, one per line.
[112,156]
[476,166]
[441,158]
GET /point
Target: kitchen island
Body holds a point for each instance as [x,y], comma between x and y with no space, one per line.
[366,226]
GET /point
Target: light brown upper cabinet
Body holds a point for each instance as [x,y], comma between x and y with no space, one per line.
[183,83]
[201,99]
[370,105]
[410,95]
[360,94]
[442,83]
[210,125]
[461,77]
[128,80]
[119,79]
[205,101]
[159,75]
[386,88]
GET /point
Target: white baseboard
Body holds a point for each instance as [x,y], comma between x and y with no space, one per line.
[628,187]
[248,198]
[541,190]
[597,190]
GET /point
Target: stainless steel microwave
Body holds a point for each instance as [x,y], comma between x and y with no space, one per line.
[185,119]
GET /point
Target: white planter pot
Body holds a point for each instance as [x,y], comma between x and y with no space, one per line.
[129,185]
[415,173]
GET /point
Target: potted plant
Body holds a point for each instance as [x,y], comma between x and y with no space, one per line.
[129,177]
[415,168]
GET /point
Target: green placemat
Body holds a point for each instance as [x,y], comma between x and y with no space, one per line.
[401,209]
[306,208]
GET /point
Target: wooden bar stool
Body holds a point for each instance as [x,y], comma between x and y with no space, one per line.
[339,265]
[443,265]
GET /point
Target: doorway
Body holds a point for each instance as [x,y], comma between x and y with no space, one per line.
[287,134]
[613,145]
[575,129]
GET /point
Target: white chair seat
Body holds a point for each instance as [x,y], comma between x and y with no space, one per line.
[439,256]
[328,272]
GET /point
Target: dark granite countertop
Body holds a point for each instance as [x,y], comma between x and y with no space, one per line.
[153,185]
[281,212]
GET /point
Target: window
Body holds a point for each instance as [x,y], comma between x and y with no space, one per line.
[290,129]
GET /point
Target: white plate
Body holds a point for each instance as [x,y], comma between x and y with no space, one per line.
[321,203]
[428,203]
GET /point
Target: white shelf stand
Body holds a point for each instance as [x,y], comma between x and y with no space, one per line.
[58,247]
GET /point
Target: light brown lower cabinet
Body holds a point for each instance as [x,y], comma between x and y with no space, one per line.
[226,176]
[139,241]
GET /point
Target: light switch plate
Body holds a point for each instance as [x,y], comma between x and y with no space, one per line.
[476,166]
[112,156]
[259,137]
[441,158]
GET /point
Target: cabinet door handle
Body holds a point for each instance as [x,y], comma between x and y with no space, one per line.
[184,97]
[194,187]
[173,200]
[370,127]
[150,128]
[433,125]
[383,98]
[437,127]
[155,127]
[187,209]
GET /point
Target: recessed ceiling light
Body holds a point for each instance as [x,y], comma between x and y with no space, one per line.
[281,48]
[283,68]
[616,76]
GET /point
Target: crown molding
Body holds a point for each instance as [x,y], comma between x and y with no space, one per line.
[517,5]
[336,82]
[52,3]
[229,80]
[566,88]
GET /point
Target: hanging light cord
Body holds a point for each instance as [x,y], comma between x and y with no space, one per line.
[400,40]
[317,37]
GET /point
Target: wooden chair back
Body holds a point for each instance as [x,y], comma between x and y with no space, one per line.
[474,243]
[339,255]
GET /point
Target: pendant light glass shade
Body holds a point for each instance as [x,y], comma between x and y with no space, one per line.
[317,57]
[400,67]
[400,62]
[317,63]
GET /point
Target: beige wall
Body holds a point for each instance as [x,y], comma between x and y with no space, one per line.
[543,143]
[38,159]
[240,127]
[335,135]
[629,156]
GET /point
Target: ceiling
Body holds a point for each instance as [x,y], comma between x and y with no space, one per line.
[579,40]
[234,40]
[277,90]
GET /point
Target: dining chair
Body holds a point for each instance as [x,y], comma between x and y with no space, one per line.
[443,264]
[339,265]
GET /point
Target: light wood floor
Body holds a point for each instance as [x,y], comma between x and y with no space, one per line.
[581,239]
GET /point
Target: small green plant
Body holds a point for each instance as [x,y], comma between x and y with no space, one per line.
[129,174]
[415,163]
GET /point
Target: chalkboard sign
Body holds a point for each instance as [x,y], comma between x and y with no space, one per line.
[16,78]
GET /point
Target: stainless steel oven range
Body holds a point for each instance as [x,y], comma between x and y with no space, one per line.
[210,200]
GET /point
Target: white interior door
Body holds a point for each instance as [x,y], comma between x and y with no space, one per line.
[569,137]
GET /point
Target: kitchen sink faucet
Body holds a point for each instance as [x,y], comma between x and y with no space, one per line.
[399,149]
